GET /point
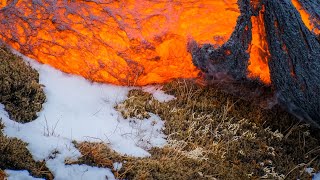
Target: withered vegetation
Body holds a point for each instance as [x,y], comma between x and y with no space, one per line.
[20,91]
[3,175]
[211,135]
[14,155]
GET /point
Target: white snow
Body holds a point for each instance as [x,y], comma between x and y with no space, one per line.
[117,166]
[310,170]
[14,175]
[77,109]
[157,93]
[316,176]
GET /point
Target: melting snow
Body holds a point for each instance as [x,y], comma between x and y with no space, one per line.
[77,109]
[14,175]
[158,94]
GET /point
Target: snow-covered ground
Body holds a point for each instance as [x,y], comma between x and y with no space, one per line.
[77,109]
[20,175]
[316,177]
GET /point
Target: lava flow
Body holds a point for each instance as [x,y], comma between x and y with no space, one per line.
[131,42]
[259,52]
[312,23]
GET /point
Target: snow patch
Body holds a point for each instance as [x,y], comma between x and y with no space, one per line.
[80,110]
[309,170]
[316,176]
[158,94]
[117,166]
[14,175]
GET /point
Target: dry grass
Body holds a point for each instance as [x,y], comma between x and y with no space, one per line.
[3,175]
[14,155]
[22,97]
[96,154]
[213,135]
[20,90]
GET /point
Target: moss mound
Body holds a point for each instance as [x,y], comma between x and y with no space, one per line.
[14,155]
[20,91]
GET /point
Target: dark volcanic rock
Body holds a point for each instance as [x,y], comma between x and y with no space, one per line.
[294,62]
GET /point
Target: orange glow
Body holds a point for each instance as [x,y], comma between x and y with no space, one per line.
[3,3]
[306,18]
[125,42]
[259,52]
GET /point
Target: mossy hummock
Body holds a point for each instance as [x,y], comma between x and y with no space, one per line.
[20,91]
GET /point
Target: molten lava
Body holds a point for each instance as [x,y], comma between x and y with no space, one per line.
[259,52]
[132,42]
[309,21]
[3,3]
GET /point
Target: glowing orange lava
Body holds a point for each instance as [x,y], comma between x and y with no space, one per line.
[259,52]
[3,3]
[126,42]
[306,18]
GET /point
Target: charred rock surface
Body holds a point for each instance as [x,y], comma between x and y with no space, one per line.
[294,60]
[313,9]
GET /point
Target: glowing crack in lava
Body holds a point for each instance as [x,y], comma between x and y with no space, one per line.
[126,42]
[312,23]
[259,50]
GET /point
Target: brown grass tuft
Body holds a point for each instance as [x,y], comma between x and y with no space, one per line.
[14,155]
[3,175]
[20,91]
[212,134]
[96,154]
[135,105]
